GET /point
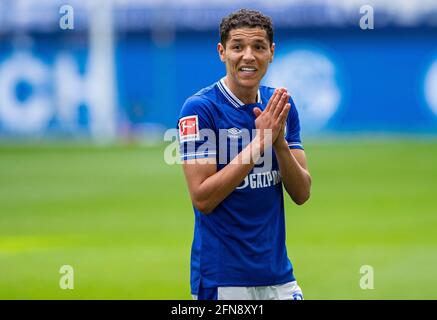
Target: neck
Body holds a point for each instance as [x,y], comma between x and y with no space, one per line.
[246,95]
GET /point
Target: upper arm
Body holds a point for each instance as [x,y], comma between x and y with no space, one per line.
[197,143]
[292,134]
[196,171]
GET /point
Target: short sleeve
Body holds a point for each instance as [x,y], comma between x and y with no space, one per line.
[196,129]
[292,130]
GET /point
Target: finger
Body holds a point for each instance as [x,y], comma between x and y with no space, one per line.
[275,101]
[283,90]
[269,104]
[257,111]
[284,114]
[281,104]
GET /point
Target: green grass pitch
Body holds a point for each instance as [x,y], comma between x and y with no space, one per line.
[122,219]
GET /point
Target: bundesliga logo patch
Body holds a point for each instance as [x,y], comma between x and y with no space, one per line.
[189,128]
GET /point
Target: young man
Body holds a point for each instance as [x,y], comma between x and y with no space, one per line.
[238,251]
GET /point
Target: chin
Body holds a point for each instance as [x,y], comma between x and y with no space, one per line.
[249,83]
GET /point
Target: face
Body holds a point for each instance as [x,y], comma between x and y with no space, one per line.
[247,55]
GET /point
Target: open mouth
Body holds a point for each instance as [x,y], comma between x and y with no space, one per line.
[247,70]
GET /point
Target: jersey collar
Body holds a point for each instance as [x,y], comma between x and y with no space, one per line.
[237,103]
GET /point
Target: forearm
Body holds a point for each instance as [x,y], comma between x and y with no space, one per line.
[296,179]
[217,187]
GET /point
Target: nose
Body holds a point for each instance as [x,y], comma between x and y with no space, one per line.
[248,55]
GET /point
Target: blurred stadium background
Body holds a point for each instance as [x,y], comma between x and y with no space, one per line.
[83,112]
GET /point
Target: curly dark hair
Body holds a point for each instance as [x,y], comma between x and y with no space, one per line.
[244,18]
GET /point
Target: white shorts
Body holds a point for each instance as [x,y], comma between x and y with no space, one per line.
[287,291]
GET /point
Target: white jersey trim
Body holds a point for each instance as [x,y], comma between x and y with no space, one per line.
[231,97]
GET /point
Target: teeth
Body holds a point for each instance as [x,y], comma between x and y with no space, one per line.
[248,69]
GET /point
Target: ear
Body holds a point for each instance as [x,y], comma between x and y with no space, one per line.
[221,50]
[272,50]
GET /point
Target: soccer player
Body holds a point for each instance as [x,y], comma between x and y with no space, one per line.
[239,251]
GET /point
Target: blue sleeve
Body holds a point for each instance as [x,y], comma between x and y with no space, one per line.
[196,129]
[292,134]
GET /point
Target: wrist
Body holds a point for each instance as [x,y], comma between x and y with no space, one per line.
[280,144]
[258,144]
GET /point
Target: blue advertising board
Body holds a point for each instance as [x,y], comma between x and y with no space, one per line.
[342,80]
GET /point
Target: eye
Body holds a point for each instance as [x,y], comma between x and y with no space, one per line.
[236,47]
[260,47]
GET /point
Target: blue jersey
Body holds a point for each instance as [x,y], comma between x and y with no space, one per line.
[242,241]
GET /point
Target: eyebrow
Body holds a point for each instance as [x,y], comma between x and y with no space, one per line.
[241,40]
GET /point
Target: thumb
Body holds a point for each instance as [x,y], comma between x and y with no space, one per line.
[257,111]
